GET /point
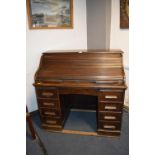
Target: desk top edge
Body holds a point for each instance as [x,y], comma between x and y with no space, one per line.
[83,51]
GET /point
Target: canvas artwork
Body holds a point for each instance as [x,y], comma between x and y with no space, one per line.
[124,14]
[50,13]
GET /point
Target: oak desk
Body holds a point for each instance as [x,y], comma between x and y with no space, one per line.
[97,73]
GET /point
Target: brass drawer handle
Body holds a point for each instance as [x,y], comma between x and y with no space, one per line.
[47,94]
[109,127]
[111,96]
[53,122]
[51,125]
[48,103]
[110,107]
[50,113]
[110,117]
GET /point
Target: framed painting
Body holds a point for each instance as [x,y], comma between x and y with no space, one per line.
[124,14]
[50,14]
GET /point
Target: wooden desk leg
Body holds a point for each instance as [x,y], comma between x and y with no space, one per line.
[29,120]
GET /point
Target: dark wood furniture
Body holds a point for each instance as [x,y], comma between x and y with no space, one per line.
[97,73]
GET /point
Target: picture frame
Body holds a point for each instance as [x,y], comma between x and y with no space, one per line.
[50,14]
[124,14]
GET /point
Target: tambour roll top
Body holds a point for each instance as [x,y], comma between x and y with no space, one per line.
[91,67]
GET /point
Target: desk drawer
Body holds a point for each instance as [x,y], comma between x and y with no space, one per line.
[48,103]
[49,112]
[107,125]
[47,93]
[108,106]
[111,96]
[52,127]
[109,116]
[109,132]
[51,121]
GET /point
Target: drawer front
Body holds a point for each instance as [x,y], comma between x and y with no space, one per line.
[52,127]
[48,103]
[109,116]
[47,93]
[49,112]
[105,106]
[107,125]
[108,132]
[111,96]
[51,121]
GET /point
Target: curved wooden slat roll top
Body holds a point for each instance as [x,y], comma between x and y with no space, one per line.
[92,65]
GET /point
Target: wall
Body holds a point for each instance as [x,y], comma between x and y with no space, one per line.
[119,38]
[38,41]
[108,23]
[98,24]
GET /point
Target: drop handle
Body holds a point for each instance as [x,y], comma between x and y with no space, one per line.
[50,113]
[53,122]
[110,107]
[47,94]
[111,97]
[48,103]
[110,117]
[109,127]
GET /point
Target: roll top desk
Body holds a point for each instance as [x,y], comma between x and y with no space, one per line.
[98,73]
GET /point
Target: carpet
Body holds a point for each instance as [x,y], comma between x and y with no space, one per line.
[70,144]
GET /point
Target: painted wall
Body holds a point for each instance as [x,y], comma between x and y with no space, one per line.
[96,27]
[39,41]
[108,23]
[98,24]
[119,38]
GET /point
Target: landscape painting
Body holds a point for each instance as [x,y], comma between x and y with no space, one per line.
[44,14]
